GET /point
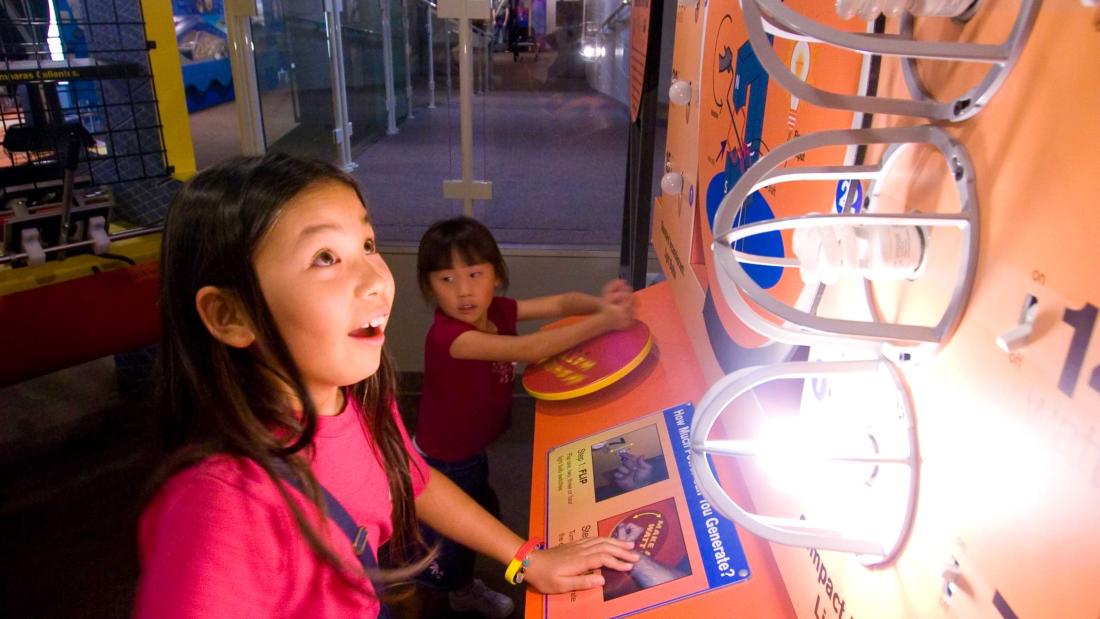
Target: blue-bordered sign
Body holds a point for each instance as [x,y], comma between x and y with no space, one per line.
[723,558]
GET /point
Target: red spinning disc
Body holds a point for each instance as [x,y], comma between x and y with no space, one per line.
[589,366]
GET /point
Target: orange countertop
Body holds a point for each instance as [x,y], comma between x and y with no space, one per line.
[668,377]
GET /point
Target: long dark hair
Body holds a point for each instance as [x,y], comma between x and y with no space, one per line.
[469,238]
[216,399]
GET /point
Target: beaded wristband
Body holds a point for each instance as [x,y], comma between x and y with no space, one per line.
[521,561]
[522,573]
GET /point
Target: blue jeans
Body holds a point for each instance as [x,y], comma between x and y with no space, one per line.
[453,568]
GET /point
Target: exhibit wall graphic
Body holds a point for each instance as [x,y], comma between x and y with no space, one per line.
[1010,456]
[736,115]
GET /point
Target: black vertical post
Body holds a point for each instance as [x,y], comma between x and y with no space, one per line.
[638,194]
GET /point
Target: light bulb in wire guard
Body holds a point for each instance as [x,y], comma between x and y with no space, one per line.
[878,253]
[871,9]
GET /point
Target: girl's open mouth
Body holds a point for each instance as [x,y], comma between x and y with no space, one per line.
[373,328]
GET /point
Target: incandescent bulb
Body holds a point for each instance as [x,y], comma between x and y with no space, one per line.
[672,183]
[826,253]
[680,92]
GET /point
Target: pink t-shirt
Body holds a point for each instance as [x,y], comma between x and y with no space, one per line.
[219,541]
[465,404]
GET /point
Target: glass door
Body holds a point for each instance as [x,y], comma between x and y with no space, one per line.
[366,80]
[294,77]
[400,76]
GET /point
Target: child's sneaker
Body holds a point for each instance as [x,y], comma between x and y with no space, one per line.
[478,598]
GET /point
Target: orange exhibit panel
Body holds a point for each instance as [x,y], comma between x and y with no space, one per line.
[580,443]
[880,311]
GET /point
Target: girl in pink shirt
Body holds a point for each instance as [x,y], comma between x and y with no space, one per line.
[276,390]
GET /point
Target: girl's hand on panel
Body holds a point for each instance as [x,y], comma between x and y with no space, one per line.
[573,566]
[617,292]
[617,305]
[616,317]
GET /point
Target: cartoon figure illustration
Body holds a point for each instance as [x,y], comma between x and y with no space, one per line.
[740,90]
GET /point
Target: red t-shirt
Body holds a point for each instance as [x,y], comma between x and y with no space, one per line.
[219,541]
[466,404]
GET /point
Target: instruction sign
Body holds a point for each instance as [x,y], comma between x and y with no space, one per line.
[634,482]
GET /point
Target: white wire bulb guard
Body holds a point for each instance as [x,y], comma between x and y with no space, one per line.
[763,17]
[793,531]
[804,328]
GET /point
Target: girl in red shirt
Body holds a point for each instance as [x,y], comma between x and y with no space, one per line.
[275,390]
[468,359]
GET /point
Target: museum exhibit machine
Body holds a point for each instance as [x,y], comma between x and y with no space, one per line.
[87,162]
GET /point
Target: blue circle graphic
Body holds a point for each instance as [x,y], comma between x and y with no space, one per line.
[755,209]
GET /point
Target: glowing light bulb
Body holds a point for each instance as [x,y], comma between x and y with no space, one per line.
[680,92]
[795,452]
